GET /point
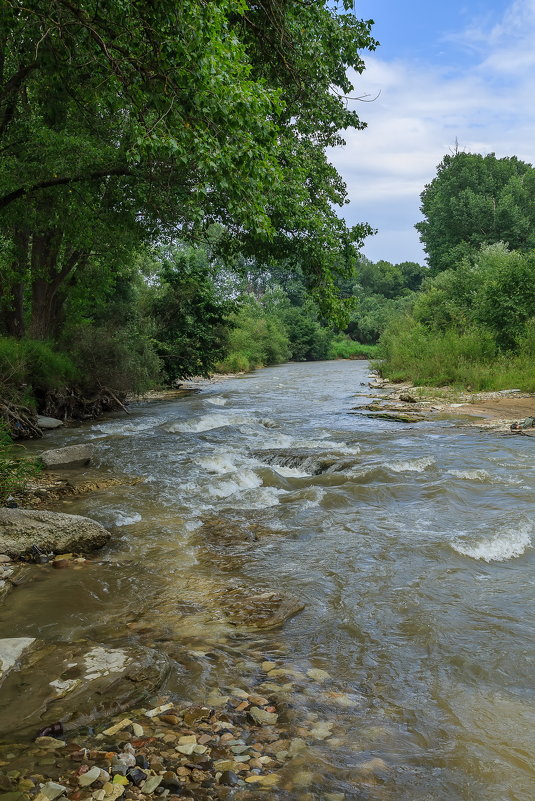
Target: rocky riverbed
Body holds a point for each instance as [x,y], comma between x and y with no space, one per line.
[240,740]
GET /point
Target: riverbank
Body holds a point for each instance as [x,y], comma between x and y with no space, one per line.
[496,411]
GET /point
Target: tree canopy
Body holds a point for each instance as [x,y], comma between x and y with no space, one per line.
[473,201]
[126,122]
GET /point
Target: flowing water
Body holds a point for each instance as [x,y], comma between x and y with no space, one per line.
[410,546]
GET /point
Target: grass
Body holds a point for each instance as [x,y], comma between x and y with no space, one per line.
[465,361]
[342,347]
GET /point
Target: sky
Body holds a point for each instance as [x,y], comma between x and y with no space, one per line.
[444,72]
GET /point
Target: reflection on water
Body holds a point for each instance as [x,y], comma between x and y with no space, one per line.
[411,548]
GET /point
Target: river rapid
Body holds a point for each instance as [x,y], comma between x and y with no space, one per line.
[411,548]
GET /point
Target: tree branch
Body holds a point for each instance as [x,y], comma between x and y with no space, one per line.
[61,181]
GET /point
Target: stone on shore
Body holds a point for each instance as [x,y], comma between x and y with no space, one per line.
[48,422]
[69,456]
[55,532]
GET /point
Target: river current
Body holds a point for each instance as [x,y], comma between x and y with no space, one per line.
[410,546]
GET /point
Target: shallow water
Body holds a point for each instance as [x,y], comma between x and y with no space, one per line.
[411,547]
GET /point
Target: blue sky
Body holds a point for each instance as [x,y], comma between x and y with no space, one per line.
[444,71]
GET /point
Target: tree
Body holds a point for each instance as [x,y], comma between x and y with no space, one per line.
[190,317]
[476,200]
[124,123]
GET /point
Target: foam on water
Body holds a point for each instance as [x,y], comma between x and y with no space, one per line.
[289,472]
[217,400]
[127,426]
[220,462]
[123,519]
[500,547]
[471,475]
[208,422]
[239,482]
[411,465]
[259,498]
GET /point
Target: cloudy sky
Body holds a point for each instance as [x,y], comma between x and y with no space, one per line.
[451,71]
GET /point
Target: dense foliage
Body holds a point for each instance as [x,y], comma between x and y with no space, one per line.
[473,201]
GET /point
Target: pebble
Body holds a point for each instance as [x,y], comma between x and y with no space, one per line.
[117,727]
[50,742]
[317,674]
[267,666]
[151,784]
[152,713]
[228,778]
[51,790]
[90,776]
[173,720]
[261,716]
[268,780]
[137,730]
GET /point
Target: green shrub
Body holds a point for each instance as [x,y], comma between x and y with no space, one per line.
[29,367]
[256,339]
[122,360]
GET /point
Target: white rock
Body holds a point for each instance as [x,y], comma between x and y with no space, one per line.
[11,649]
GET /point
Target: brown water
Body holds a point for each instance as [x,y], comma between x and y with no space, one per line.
[411,548]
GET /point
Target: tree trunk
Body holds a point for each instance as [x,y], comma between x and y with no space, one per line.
[12,310]
[51,271]
[12,289]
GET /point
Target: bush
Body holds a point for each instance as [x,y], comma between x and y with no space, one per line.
[467,360]
[29,367]
[121,360]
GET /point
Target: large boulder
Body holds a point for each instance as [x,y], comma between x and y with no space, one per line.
[50,531]
[70,456]
[75,683]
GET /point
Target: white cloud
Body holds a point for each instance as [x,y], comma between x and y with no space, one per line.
[420,112]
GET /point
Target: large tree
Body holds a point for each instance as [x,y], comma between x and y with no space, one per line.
[127,121]
[476,200]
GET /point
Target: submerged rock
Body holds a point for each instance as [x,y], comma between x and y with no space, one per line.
[72,682]
[255,609]
[69,456]
[55,532]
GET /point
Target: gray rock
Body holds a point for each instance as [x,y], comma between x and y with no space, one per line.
[48,422]
[77,683]
[70,456]
[52,790]
[50,531]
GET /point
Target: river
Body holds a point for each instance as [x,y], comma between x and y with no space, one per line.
[409,546]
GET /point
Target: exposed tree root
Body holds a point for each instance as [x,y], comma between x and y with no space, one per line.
[20,421]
